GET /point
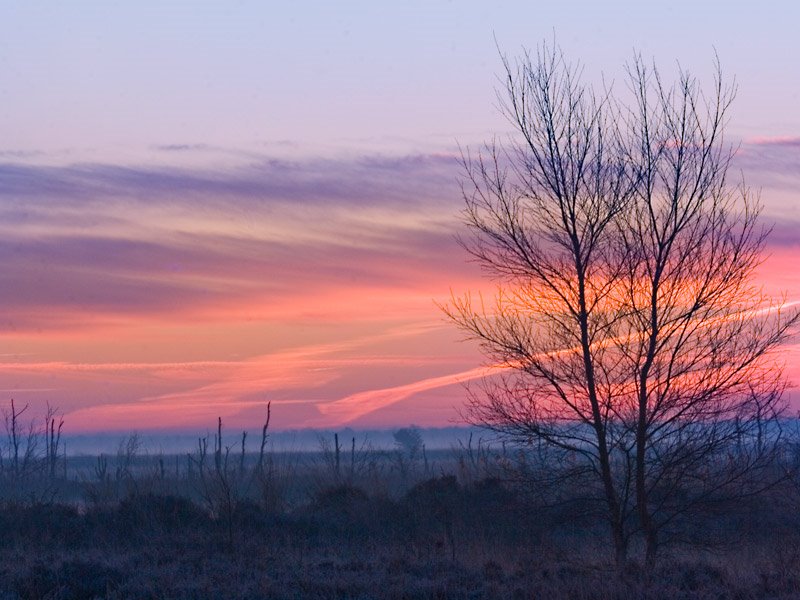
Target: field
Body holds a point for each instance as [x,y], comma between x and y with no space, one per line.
[352,521]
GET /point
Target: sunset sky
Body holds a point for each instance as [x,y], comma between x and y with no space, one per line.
[208,205]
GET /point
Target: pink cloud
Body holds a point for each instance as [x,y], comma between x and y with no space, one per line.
[297,379]
[362,403]
[773,141]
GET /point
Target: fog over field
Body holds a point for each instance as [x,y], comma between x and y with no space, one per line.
[302,440]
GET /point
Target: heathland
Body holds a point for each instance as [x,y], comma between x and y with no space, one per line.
[235,518]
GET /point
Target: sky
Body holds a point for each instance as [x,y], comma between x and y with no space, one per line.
[206,206]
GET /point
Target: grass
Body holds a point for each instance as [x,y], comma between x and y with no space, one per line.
[368,524]
[441,537]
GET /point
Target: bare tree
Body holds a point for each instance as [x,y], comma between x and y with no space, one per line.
[697,331]
[634,343]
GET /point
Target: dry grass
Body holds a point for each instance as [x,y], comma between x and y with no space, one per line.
[447,525]
[440,540]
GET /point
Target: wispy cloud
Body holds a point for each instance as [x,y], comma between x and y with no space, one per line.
[779,141]
[770,162]
[359,404]
[112,240]
[379,180]
[300,378]
[183,147]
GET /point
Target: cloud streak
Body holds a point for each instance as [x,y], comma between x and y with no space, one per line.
[771,163]
[114,241]
[363,403]
[300,378]
[368,180]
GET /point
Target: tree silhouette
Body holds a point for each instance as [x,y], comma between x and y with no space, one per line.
[638,350]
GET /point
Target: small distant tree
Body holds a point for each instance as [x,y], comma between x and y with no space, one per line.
[409,441]
[638,352]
